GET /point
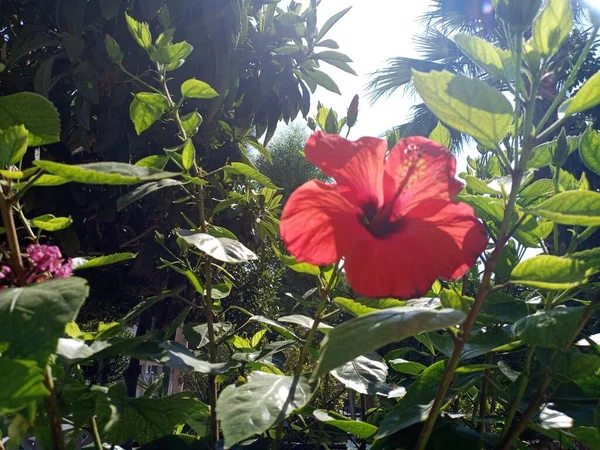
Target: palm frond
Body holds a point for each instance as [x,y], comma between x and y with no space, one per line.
[396,75]
[434,45]
[467,16]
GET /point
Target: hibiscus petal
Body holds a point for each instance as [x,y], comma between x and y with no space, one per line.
[439,239]
[318,225]
[422,169]
[356,166]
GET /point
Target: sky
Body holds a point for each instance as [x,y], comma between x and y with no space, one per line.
[370,33]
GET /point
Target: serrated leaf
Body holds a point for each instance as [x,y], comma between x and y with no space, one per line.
[222,249]
[171,53]
[549,328]
[237,168]
[37,114]
[188,155]
[99,261]
[146,108]
[366,374]
[49,222]
[22,384]
[103,173]
[552,25]
[486,55]
[256,406]
[441,135]
[366,333]
[551,272]
[193,88]
[571,208]
[586,97]
[13,144]
[589,149]
[191,122]
[467,105]
[32,318]
[140,32]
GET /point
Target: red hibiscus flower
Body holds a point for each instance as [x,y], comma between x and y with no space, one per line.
[393,220]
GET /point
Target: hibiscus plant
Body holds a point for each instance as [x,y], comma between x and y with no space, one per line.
[459,308]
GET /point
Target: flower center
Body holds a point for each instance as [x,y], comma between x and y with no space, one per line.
[377,220]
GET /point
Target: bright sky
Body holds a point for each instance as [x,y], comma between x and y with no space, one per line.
[370,33]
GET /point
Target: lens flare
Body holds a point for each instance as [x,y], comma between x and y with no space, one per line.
[487,7]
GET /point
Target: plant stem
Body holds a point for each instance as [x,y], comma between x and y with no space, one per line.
[138,79]
[309,338]
[53,412]
[523,381]
[518,81]
[556,182]
[97,440]
[13,240]
[570,79]
[516,431]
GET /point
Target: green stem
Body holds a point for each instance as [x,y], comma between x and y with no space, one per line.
[571,78]
[523,381]
[96,434]
[13,240]
[556,182]
[53,411]
[518,81]
[139,80]
[461,340]
[309,338]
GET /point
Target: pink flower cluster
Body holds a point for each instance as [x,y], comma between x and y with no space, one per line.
[41,262]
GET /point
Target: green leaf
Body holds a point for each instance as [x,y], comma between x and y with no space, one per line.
[574,365]
[32,318]
[361,305]
[140,32]
[441,135]
[121,418]
[415,405]
[13,144]
[143,190]
[99,261]
[551,272]
[22,384]
[104,172]
[256,406]
[279,328]
[479,186]
[304,321]
[191,122]
[237,168]
[541,155]
[407,367]
[479,343]
[176,442]
[146,108]
[37,114]
[586,97]
[330,23]
[589,149]
[222,249]
[467,105]
[366,374]
[197,334]
[153,161]
[588,436]
[552,25]
[571,208]
[188,155]
[193,88]
[49,222]
[171,53]
[549,328]
[363,334]
[487,56]
[322,79]
[113,49]
[361,430]
[292,263]
[330,55]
